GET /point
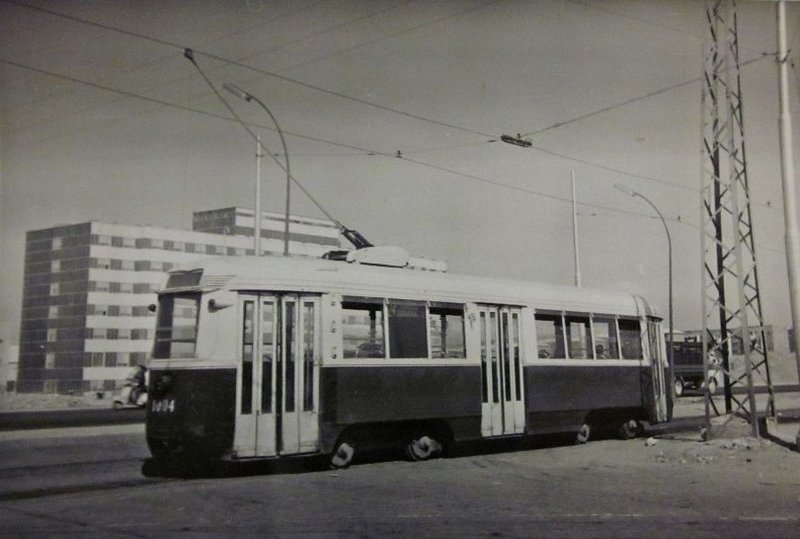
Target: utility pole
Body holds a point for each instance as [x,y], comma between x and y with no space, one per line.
[788,181]
[730,291]
[575,234]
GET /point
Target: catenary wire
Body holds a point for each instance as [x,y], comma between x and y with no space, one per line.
[276,75]
[352,147]
[405,113]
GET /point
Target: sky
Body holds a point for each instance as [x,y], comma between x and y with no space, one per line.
[392,112]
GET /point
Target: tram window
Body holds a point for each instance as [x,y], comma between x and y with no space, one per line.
[446,331]
[176,329]
[408,330]
[550,335]
[605,338]
[631,338]
[362,329]
[579,336]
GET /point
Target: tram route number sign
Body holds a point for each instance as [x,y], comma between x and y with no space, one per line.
[163,405]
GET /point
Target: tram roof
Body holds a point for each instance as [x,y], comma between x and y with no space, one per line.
[305,275]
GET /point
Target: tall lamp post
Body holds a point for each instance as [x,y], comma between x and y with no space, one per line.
[633,193]
[246,96]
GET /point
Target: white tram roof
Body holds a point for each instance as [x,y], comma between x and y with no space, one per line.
[304,275]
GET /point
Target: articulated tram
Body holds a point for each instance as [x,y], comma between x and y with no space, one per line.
[272,357]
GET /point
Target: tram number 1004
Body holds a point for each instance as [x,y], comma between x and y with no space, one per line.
[163,405]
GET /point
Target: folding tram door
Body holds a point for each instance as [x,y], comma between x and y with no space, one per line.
[503,404]
[277,393]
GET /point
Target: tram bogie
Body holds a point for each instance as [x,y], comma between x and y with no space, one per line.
[271,358]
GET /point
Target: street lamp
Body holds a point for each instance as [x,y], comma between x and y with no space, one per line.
[633,193]
[246,96]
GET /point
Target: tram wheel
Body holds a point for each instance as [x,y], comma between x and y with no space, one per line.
[583,434]
[629,430]
[423,448]
[678,387]
[343,456]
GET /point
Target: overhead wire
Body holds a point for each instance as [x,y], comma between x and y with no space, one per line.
[188,54]
[483,134]
[352,147]
[278,75]
[491,137]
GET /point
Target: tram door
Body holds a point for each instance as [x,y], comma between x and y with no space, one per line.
[278,380]
[660,369]
[503,406]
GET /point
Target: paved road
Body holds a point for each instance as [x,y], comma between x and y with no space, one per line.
[91,485]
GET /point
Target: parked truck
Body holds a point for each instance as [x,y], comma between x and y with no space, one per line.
[687,360]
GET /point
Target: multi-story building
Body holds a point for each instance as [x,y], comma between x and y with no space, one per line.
[87,287]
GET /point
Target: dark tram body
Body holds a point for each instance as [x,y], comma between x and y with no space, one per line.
[271,357]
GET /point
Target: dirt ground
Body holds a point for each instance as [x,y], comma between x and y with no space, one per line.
[32,402]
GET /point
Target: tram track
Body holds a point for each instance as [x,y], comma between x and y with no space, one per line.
[43,492]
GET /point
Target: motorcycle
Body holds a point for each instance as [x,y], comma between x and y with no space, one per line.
[134,392]
[130,396]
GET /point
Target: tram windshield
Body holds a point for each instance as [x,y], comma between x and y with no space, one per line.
[176,328]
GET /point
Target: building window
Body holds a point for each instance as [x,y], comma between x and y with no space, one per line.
[142,265]
[52,335]
[110,359]
[116,264]
[52,311]
[51,386]
[57,243]
[55,266]
[55,289]
[128,242]
[111,333]
[49,360]
[116,241]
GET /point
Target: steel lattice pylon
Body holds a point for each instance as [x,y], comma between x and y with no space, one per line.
[736,343]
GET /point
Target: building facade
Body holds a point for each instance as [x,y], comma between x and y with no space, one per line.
[87,287]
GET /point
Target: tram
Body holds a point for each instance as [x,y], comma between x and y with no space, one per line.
[272,357]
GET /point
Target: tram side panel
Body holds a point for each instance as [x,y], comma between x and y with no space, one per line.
[560,398]
[395,398]
[191,410]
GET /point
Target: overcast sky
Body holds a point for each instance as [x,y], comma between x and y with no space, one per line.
[103,118]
